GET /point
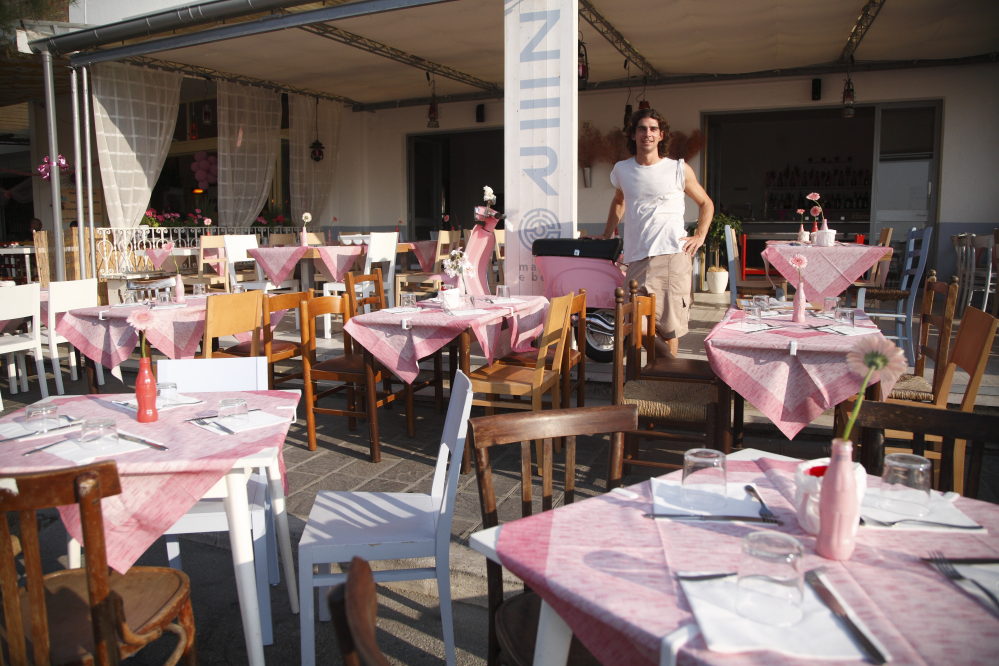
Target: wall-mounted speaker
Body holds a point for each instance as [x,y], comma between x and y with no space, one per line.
[480,113]
[816,89]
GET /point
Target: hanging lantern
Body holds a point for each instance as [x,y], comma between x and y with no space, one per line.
[317,150]
[644,104]
[433,113]
[206,109]
[848,98]
[584,64]
[627,116]
[194,131]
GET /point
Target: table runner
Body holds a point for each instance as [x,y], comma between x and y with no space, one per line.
[830,270]
[399,350]
[426,254]
[157,256]
[277,262]
[792,391]
[337,260]
[158,487]
[614,586]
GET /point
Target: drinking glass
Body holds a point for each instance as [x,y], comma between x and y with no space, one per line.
[232,411]
[162,297]
[704,479]
[905,484]
[166,394]
[98,434]
[128,297]
[409,300]
[754,316]
[41,417]
[771,579]
[830,303]
[845,317]
[237,289]
[502,291]
[762,302]
[199,289]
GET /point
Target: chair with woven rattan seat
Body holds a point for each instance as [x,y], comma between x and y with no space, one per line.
[678,404]
[878,275]
[419,282]
[354,608]
[229,314]
[274,350]
[738,282]
[83,616]
[513,623]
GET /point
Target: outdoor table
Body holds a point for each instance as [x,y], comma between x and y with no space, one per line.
[399,350]
[830,270]
[26,251]
[615,589]
[791,390]
[159,487]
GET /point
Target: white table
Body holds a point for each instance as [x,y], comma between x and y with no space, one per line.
[26,251]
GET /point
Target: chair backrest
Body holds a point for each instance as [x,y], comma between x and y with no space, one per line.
[970,353]
[629,339]
[917,252]
[879,272]
[214,375]
[315,307]
[312,238]
[271,303]
[71,295]
[732,250]
[644,333]
[25,494]
[382,248]
[368,283]
[229,314]
[944,324]
[995,267]
[445,484]
[236,246]
[216,243]
[354,610]
[479,251]
[554,332]
[446,241]
[281,239]
[22,301]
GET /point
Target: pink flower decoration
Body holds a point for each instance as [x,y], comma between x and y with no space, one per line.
[334,219]
[814,196]
[197,210]
[140,319]
[881,355]
[816,211]
[261,219]
[801,211]
[799,261]
[208,221]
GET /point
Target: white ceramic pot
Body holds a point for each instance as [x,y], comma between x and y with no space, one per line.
[824,238]
[808,488]
[717,281]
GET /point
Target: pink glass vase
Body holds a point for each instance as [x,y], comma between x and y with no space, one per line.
[798,314]
[839,510]
[145,392]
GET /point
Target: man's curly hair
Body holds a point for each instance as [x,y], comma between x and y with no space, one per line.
[633,127]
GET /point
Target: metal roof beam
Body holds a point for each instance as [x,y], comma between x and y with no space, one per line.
[424,101]
[260,26]
[864,21]
[377,48]
[590,14]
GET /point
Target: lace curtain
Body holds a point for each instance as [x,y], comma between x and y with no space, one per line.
[312,182]
[249,139]
[135,113]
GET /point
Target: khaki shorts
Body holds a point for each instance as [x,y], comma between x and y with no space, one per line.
[668,276]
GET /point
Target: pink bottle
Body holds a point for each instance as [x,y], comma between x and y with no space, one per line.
[839,511]
[305,238]
[178,290]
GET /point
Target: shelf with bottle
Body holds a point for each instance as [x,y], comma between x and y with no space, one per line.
[826,174]
[787,200]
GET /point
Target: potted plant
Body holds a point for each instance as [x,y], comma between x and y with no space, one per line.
[590,150]
[717,276]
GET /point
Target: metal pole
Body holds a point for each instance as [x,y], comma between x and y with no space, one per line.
[80,239]
[50,113]
[90,177]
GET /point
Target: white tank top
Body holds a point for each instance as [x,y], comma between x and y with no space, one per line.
[653,207]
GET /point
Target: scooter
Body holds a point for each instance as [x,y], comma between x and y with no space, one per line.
[568,265]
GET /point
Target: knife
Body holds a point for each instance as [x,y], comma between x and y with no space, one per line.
[74,424]
[836,607]
[698,577]
[732,519]
[198,418]
[139,440]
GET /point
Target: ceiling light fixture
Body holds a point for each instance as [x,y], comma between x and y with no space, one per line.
[317,147]
[849,95]
[433,113]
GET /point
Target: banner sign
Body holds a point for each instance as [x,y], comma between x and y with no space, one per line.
[540,135]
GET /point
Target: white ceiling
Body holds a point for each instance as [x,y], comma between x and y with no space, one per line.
[676,36]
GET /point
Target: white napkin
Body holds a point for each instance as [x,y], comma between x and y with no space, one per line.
[468,313]
[846,330]
[181,401]
[20,429]
[400,310]
[770,314]
[7,283]
[169,306]
[942,510]
[748,327]
[817,635]
[501,301]
[71,450]
[255,419]
[667,498]
[987,575]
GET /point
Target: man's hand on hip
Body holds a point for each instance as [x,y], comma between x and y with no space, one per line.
[691,244]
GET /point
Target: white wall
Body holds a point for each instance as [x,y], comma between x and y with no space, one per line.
[102,12]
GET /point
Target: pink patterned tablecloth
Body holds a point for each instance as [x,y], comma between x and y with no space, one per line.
[400,350]
[337,260]
[608,571]
[278,262]
[158,255]
[158,487]
[792,391]
[830,270]
[426,253]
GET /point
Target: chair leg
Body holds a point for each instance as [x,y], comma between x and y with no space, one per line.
[410,413]
[351,407]
[173,552]
[73,550]
[447,621]
[387,387]
[306,600]
[739,420]
[24,372]
[43,382]
[261,566]
[12,373]
[371,395]
[310,403]
[72,364]
[439,381]
[56,368]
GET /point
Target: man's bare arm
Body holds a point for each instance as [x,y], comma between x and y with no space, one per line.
[704,216]
[615,214]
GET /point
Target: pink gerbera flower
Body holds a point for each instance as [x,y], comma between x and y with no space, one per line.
[801,211]
[816,211]
[799,261]
[814,196]
[880,356]
[208,221]
[140,319]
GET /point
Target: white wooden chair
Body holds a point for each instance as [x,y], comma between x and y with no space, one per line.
[23,302]
[65,296]
[236,246]
[382,248]
[387,526]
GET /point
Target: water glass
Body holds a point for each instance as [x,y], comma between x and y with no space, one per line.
[905,484]
[845,317]
[233,412]
[166,394]
[704,479]
[128,297]
[771,579]
[163,297]
[409,300]
[830,304]
[502,291]
[41,417]
[199,289]
[762,302]
[754,315]
[237,289]
[98,434]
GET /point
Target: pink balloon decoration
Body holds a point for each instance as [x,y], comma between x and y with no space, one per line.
[201,174]
[214,169]
[195,166]
[212,178]
[203,184]
[205,165]
[212,159]
[200,155]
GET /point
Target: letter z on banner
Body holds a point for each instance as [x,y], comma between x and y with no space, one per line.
[540,120]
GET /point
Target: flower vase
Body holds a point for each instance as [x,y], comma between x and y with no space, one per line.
[798,314]
[145,392]
[839,510]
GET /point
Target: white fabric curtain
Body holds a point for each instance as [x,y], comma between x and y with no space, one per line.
[312,182]
[249,140]
[135,113]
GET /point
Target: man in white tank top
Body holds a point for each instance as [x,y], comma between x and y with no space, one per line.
[650,199]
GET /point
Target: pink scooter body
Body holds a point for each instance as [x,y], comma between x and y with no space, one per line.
[565,275]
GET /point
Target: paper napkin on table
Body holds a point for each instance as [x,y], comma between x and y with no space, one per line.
[169,306]
[817,635]
[748,327]
[502,301]
[986,575]
[71,450]
[942,510]
[255,419]
[667,498]
[468,313]
[846,330]
[180,401]
[20,429]
[400,310]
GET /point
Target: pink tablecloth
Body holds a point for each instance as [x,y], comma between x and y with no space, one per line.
[830,270]
[158,255]
[278,262]
[399,350]
[158,487]
[337,260]
[426,253]
[791,390]
[609,573]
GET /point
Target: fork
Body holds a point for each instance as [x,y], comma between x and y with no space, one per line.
[765,512]
[204,423]
[892,523]
[944,566]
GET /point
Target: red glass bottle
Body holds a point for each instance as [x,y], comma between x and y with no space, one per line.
[145,392]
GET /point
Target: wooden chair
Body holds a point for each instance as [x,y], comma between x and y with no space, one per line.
[281,239]
[738,282]
[691,406]
[382,249]
[420,281]
[216,244]
[878,275]
[275,350]
[525,385]
[571,358]
[229,314]
[945,424]
[513,624]
[151,288]
[86,615]
[354,608]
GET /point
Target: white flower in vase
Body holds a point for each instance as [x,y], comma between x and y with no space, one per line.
[306,217]
[488,196]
